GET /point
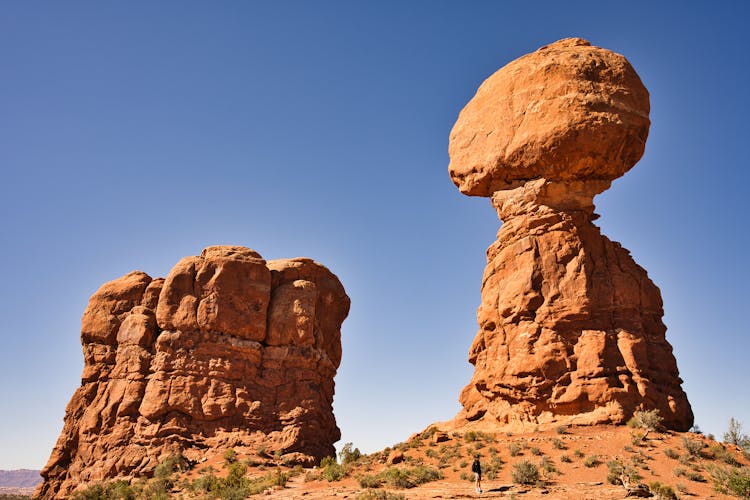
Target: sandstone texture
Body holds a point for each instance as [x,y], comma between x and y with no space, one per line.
[570,327]
[228,350]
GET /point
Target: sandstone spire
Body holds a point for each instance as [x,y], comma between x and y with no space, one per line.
[228,351]
[570,327]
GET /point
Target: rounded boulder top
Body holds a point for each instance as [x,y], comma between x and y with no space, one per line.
[569,111]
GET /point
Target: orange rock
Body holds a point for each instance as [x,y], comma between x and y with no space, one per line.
[570,326]
[395,457]
[567,111]
[228,348]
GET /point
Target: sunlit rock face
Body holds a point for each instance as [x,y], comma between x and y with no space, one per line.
[570,327]
[228,350]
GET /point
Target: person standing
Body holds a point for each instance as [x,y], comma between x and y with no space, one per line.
[476,468]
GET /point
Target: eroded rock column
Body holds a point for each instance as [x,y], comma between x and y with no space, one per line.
[570,326]
[229,350]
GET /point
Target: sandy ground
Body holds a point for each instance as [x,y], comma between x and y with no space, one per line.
[579,456]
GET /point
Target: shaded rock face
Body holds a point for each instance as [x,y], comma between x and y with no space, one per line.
[228,350]
[571,327]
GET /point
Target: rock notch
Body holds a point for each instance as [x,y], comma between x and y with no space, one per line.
[570,327]
[229,350]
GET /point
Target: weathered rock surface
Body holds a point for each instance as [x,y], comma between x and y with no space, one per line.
[228,350]
[568,111]
[570,326]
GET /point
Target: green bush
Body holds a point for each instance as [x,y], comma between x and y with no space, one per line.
[171,464]
[400,477]
[548,466]
[734,434]
[349,456]
[379,495]
[230,456]
[369,481]
[731,480]
[566,459]
[671,453]
[514,449]
[561,429]
[662,491]
[332,471]
[647,420]
[693,447]
[525,472]
[619,473]
[557,443]
[592,461]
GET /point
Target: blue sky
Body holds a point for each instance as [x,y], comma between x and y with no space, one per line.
[135,133]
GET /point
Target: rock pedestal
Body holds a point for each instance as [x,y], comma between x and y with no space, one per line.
[570,326]
[229,350]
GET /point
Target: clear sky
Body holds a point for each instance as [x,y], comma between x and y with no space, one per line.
[135,133]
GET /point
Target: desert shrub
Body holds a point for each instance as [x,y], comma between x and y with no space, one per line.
[465,476]
[620,473]
[647,420]
[592,461]
[557,443]
[548,466]
[693,447]
[206,483]
[401,477]
[671,453]
[566,458]
[514,449]
[682,489]
[525,472]
[535,451]
[115,490]
[721,453]
[379,495]
[662,491]
[695,476]
[637,436]
[430,453]
[230,456]
[492,467]
[561,429]
[331,471]
[170,465]
[429,432]
[369,481]
[731,480]
[156,489]
[410,477]
[578,454]
[734,434]
[472,436]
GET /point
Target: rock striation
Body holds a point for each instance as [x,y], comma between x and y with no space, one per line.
[228,350]
[570,327]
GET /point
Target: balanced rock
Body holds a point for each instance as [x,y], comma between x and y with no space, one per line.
[229,350]
[571,327]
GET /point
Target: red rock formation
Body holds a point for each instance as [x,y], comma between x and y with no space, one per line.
[570,326]
[229,350]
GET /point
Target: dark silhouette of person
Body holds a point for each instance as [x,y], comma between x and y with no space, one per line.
[476,468]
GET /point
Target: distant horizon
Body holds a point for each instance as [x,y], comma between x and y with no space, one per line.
[134,135]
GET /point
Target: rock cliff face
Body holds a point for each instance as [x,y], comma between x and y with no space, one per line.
[228,350]
[570,326]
